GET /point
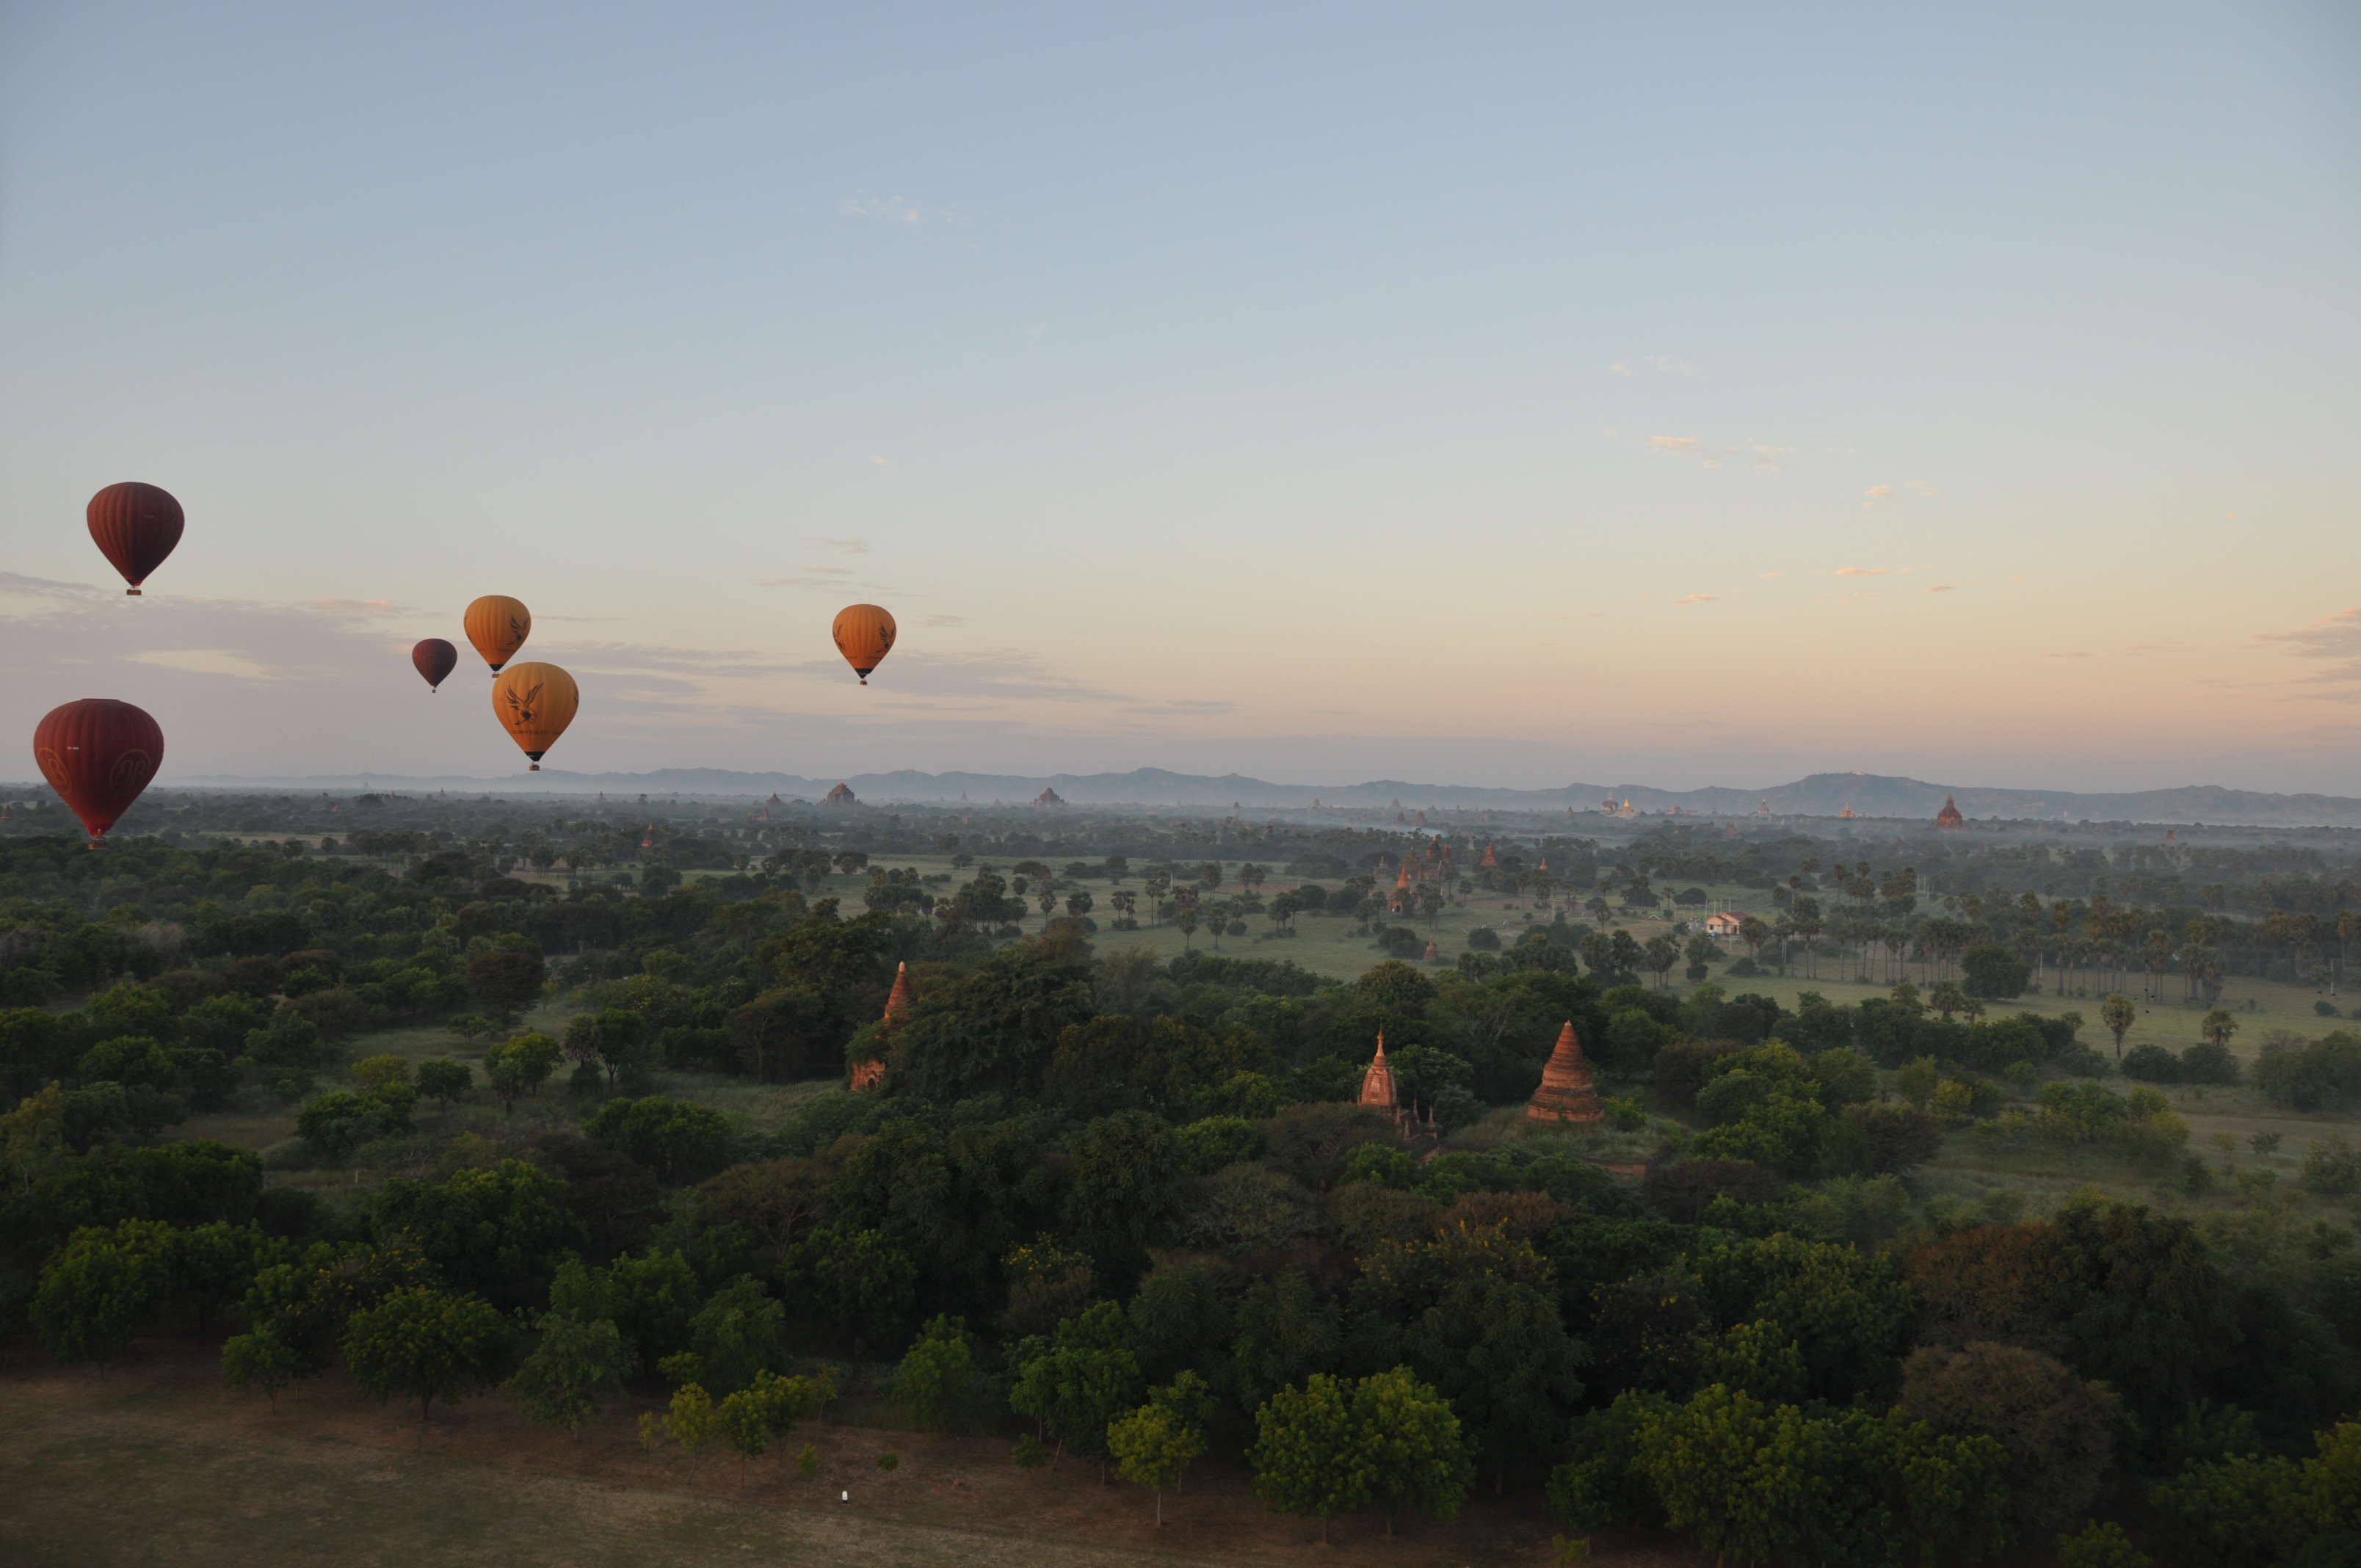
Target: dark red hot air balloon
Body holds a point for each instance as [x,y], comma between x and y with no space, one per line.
[434,659]
[135,526]
[98,754]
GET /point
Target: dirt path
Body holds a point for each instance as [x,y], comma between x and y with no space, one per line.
[156,1464]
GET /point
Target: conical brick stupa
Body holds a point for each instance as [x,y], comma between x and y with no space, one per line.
[1378,1083]
[1567,1094]
[868,1075]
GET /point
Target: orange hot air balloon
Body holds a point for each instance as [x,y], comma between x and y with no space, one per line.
[497,626]
[434,659]
[98,754]
[535,703]
[135,526]
[864,635]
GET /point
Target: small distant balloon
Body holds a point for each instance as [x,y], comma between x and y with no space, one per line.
[864,635]
[135,526]
[497,626]
[534,703]
[98,754]
[435,659]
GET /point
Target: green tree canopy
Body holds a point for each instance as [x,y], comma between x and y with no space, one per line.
[427,1346]
[574,1363]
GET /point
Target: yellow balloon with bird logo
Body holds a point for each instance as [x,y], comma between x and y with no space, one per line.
[497,626]
[864,634]
[534,703]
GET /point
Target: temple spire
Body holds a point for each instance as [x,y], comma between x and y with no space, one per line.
[1567,1093]
[1378,1083]
[867,1075]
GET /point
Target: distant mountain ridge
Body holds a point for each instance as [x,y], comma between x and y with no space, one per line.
[1820,794]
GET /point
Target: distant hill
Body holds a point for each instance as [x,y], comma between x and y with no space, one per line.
[1821,794]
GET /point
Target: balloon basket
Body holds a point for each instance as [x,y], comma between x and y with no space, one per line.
[131,593]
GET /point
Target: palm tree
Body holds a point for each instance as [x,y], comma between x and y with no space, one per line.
[1662,954]
[2118,1014]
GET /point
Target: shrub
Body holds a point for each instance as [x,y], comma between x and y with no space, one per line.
[1990,971]
[335,1125]
[937,1377]
[2208,1062]
[444,1079]
[2101,1546]
[2079,1060]
[1901,1137]
[678,1140]
[1682,1191]
[1483,939]
[2332,1168]
[2152,1064]
[1217,1141]
[1683,1067]
[2245,1509]
[2323,1076]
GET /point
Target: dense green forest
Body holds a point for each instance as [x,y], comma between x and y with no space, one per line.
[1125,1208]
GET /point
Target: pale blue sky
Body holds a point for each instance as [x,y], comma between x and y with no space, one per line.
[1317,391]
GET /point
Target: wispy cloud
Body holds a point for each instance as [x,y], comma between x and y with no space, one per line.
[1941,587]
[2333,639]
[1861,570]
[807,578]
[1696,598]
[359,606]
[1769,574]
[206,662]
[878,461]
[641,658]
[1687,446]
[942,620]
[848,546]
[1762,456]
[1183,707]
[1912,490]
[42,587]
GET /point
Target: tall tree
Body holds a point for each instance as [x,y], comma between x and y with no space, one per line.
[427,1346]
[101,1289]
[574,1363]
[1308,1455]
[1411,1448]
[2118,1014]
[1152,1448]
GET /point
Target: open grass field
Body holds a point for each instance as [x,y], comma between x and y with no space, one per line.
[154,1462]
[1328,945]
